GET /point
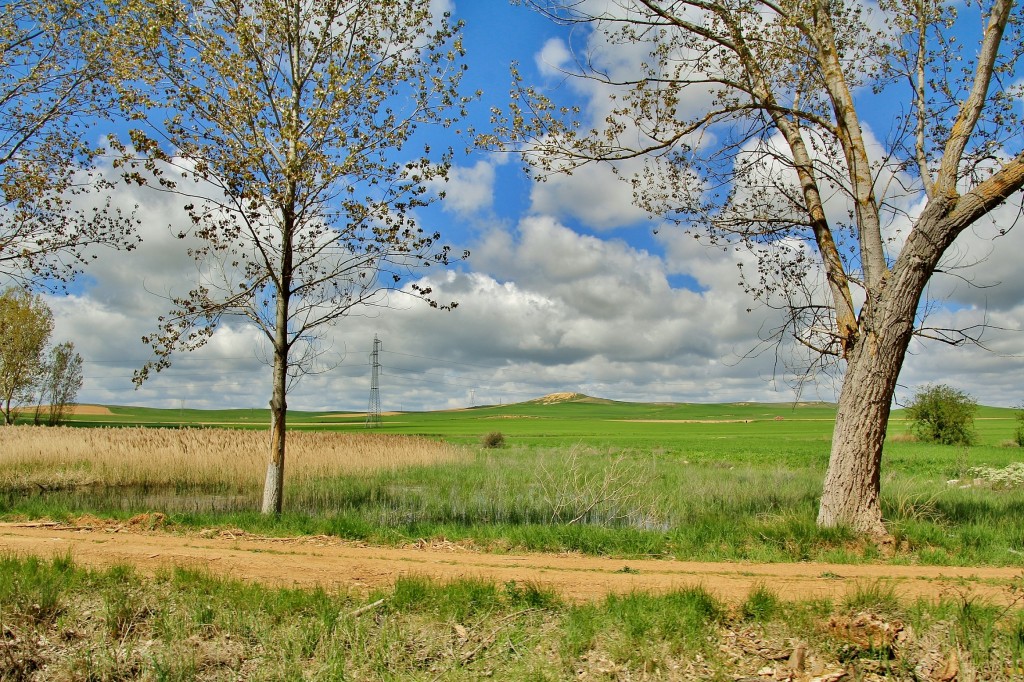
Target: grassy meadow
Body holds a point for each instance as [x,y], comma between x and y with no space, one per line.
[709,482]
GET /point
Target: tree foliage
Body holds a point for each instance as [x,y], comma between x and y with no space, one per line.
[30,370]
[60,378]
[25,326]
[1018,434]
[942,414]
[748,121]
[54,66]
[290,127]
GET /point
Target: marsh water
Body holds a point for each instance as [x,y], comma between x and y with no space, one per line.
[135,499]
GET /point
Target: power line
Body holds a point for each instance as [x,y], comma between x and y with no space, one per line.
[451,362]
[498,378]
[494,368]
[408,375]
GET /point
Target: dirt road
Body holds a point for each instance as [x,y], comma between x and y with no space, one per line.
[333,563]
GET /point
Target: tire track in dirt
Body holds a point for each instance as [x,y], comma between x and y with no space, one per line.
[337,564]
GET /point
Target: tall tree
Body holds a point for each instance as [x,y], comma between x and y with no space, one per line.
[25,326]
[291,121]
[54,65]
[749,118]
[58,382]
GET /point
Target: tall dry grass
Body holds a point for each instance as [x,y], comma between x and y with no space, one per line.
[51,457]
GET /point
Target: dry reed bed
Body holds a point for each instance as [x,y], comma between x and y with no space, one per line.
[48,457]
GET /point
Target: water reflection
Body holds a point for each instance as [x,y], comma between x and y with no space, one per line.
[134,499]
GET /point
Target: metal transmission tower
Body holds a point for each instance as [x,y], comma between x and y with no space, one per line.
[373,410]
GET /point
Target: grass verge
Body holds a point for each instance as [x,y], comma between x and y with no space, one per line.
[62,622]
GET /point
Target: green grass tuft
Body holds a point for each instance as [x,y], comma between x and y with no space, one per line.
[761,605]
[874,595]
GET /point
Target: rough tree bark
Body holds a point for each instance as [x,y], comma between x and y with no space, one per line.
[853,480]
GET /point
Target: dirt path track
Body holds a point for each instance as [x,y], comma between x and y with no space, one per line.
[336,564]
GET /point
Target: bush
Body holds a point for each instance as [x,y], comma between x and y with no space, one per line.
[942,414]
[1019,435]
[494,439]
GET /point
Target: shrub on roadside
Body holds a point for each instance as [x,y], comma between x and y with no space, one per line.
[494,439]
[942,414]
[1019,435]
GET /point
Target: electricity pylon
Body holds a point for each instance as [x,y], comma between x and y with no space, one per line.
[373,409]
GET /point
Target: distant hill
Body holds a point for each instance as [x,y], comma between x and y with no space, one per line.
[558,398]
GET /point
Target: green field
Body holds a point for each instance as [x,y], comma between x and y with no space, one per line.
[592,420]
[712,482]
[729,481]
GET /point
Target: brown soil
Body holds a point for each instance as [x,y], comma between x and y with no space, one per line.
[91,410]
[719,421]
[333,563]
[356,415]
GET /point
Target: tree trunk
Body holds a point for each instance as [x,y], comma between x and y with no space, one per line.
[852,484]
[273,486]
[851,494]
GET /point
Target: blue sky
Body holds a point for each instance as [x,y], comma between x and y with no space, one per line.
[568,288]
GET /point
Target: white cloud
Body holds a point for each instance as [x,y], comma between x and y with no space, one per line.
[990,374]
[554,58]
[470,189]
[982,268]
[543,309]
[593,194]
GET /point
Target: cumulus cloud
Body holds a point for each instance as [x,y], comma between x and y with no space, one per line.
[982,268]
[562,298]
[592,69]
[554,59]
[594,195]
[470,189]
[543,308]
[990,374]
